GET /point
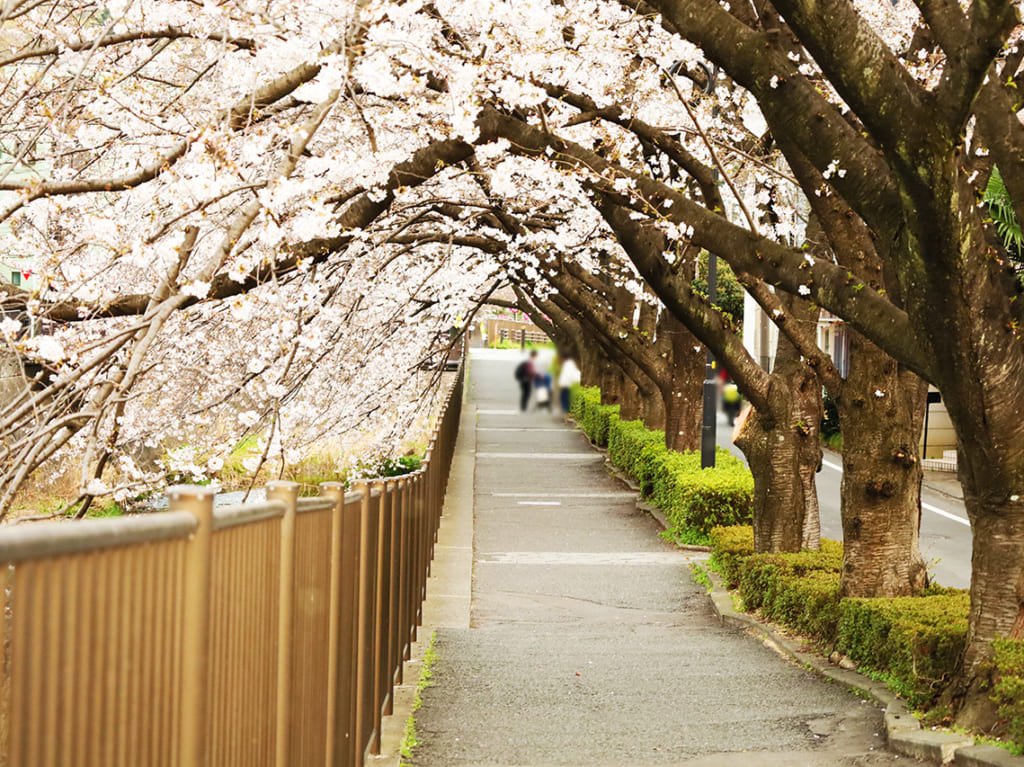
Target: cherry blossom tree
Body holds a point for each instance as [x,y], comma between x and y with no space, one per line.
[273,192]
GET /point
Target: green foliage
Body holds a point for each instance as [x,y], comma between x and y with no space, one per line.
[687,536]
[1008,691]
[580,399]
[631,446]
[729,292]
[799,590]
[701,576]
[730,547]
[700,499]
[593,418]
[396,467]
[914,642]
[694,500]
[411,738]
[1000,207]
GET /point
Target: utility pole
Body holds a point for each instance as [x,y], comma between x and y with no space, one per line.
[710,419]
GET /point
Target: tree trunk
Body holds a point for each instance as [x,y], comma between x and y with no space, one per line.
[631,402]
[611,384]
[997,599]
[784,454]
[881,413]
[653,409]
[992,475]
[590,364]
[684,395]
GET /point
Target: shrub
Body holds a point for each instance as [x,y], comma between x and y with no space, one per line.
[629,441]
[799,590]
[597,422]
[580,399]
[914,642]
[695,498]
[1008,692]
[730,547]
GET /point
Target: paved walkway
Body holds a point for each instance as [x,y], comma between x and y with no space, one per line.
[589,643]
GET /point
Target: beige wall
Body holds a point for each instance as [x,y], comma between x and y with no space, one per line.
[940,431]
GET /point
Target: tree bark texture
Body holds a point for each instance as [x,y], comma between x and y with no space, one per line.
[782,448]
[684,395]
[881,414]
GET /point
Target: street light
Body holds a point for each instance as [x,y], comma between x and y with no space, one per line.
[710,417]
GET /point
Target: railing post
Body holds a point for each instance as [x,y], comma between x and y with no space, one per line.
[394,598]
[288,493]
[365,618]
[336,492]
[379,604]
[408,566]
[195,642]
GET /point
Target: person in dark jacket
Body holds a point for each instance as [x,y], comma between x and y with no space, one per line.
[526,374]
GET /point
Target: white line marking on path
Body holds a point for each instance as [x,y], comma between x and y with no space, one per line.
[498,412]
[582,558]
[546,456]
[523,428]
[619,494]
[926,506]
[539,503]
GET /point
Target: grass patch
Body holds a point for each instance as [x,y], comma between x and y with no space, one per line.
[700,574]
[410,740]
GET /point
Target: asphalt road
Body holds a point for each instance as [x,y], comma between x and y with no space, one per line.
[591,644]
[945,531]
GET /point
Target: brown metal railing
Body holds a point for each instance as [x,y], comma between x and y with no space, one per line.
[270,634]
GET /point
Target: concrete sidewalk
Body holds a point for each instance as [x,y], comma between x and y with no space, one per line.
[588,642]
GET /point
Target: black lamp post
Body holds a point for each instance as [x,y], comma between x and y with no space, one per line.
[708,431]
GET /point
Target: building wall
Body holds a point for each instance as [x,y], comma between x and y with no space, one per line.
[940,431]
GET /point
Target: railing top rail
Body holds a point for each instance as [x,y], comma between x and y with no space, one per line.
[225,517]
[39,541]
[313,504]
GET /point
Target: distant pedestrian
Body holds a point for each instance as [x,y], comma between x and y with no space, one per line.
[731,400]
[526,374]
[567,377]
[543,392]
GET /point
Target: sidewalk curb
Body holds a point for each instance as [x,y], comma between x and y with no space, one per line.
[903,731]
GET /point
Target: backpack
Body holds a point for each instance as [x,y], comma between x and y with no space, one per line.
[522,372]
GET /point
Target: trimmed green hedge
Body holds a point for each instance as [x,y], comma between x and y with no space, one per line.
[913,642]
[797,590]
[1008,692]
[593,418]
[581,398]
[631,445]
[694,500]
[730,547]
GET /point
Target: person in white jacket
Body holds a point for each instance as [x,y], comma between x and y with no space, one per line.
[568,375]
